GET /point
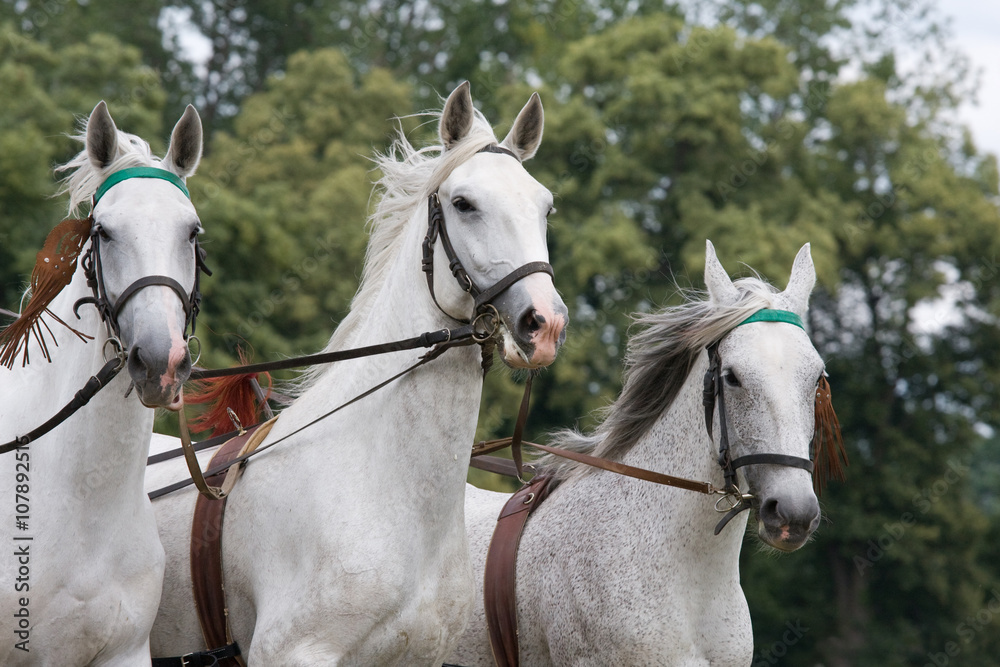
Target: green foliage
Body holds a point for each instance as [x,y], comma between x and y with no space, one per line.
[284,200]
[44,88]
[660,132]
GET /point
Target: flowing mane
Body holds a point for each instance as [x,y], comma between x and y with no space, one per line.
[86,178]
[409,176]
[657,363]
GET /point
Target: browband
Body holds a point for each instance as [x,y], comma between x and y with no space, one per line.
[139,172]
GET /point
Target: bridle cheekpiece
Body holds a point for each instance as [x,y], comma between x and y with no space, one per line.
[436,229]
[94,272]
[734,501]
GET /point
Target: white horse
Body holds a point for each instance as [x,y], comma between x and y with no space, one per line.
[345,543]
[84,565]
[616,571]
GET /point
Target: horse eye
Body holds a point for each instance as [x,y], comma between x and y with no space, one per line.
[194,234]
[462,205]
[103,234]
[551,211]
[731,379]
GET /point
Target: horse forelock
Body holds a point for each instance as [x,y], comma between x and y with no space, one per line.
[85,178]
[657,363]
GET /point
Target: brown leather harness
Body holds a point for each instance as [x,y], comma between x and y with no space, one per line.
[500,572]
[215,485]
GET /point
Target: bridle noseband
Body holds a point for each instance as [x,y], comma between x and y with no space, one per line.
[714,395]
[436,229]
[94,270]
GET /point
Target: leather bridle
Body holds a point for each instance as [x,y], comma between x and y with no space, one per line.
[436,229]
[94,269]
[479,329]
[714,396]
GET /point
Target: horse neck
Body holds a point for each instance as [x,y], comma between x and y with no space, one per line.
[678,444]
[420,405]
[99,453]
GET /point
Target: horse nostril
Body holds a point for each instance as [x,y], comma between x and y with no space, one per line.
[137,365]
[769,510]
[531,322]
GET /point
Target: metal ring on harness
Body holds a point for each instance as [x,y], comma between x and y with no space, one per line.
[190,338]
[118,351]
[490,318]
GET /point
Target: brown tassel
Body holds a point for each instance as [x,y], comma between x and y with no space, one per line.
[236,392]
[831,457]
[55,265]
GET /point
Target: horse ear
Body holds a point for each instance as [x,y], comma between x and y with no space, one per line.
[526,133]
[185,144]
[456,119]
[720,287]
[801,282]
[102,137]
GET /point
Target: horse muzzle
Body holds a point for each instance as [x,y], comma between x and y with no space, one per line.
[533,327]
[786,522]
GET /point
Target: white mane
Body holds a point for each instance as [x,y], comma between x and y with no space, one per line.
[409,177]
[86,178]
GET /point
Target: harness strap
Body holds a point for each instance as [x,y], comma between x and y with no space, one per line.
[773,459]
[493,465]
[426,339]
[207,582]
[501,286]
[427,357]
[147,281]
[199,658]
[82,397]
[500,574]
[522,417]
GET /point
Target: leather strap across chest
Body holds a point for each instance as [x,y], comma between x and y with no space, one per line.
[207,582]
[500,574]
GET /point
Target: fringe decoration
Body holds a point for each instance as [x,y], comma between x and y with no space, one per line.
[55,265]
[830,455]
[236,392]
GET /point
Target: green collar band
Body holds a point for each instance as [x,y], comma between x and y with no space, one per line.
[772,315]
[139,172]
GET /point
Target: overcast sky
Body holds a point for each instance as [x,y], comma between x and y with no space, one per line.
[976,27]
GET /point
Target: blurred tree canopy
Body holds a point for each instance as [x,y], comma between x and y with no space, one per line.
[761,124]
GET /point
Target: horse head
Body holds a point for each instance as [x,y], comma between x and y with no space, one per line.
[144,252]
[497,215]
[770,373]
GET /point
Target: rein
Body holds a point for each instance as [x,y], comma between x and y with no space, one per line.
[93,271]
[479,329]
[500,574]
[732,501]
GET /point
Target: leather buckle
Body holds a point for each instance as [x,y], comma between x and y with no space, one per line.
[184,659]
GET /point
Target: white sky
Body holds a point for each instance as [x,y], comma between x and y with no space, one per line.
[976,28]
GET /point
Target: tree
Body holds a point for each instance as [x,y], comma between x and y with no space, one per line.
[284,199]
[43,89]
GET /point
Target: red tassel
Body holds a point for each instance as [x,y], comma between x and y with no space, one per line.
[55,265]
[830,454]
[236,392]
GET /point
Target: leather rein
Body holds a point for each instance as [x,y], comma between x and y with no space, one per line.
[732,500]
[500,573]
[479,329]
[109,311]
